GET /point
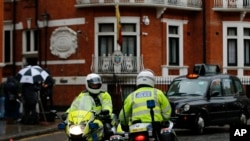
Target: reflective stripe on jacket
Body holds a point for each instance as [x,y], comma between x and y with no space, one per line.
[135,106]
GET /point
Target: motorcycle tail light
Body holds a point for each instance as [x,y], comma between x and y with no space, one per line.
[140,138]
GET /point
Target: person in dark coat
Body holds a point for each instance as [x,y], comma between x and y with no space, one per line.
[12,92]
[31,98]
[47,92]
[2,101]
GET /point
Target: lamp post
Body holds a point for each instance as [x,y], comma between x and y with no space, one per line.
[45,17]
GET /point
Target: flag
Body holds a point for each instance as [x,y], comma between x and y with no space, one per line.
[119,27]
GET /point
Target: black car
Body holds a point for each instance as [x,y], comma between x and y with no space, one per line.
[207,97]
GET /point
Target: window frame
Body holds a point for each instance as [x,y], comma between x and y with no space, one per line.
[180,25]
[10,55]
[240,52]
[124,20]
[232,56]
[231,88]
[31,42]
[220,87]
[246,39]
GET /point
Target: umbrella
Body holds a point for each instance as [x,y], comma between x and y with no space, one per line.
[32,74]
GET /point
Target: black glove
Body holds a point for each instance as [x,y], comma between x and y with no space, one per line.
[64,116]
[104,115]
[165,124]
[125,128]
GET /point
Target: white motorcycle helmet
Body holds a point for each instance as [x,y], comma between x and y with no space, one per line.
[93,83]
[146,77]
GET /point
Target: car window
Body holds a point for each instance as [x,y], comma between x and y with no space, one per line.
[228,87]
[216,88]
[239,88]
[192,87]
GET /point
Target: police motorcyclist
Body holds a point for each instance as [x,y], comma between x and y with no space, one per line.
[135,104]
[102,99]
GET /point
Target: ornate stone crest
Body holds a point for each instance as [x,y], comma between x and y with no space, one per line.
[117,57]
[63,42]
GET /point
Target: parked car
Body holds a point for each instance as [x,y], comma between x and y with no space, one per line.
[207,97]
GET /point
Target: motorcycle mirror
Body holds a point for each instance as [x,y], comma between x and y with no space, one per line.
[61,126]
[150,104]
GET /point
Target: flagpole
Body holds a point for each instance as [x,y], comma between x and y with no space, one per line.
[119,45]
[118,27]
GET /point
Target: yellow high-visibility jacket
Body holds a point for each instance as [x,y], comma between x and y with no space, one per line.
[135,106]
[86,101]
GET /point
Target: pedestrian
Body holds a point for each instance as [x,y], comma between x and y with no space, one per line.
[31,98]
[12,92]
[46,93]
[135,105]
[2,100]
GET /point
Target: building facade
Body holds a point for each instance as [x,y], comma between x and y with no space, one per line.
[1,37]
[75,37]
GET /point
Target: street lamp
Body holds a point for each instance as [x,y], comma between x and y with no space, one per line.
[145,20]
[45,17]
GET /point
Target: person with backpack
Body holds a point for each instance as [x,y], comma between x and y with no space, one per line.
[12,92]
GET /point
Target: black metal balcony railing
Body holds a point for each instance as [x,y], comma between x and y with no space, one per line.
[230,5]
[106,65]
[153,3]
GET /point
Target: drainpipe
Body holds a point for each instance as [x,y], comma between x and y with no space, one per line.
[14,38]
[37,27]
[204,31]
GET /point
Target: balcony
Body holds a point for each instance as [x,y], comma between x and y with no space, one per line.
[176,4]
[160,5]
[193,4]
[231,5]
[117,64]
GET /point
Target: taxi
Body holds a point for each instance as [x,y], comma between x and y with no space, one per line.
[207,97]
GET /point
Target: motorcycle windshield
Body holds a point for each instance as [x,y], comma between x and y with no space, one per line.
[86,103]
[81,110]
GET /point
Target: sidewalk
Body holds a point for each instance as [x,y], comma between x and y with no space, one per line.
[18,131]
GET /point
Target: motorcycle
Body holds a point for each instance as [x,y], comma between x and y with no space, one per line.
[152,131]
[84,124]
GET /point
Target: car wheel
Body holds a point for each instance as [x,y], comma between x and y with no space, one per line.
[199,124]
[243,119]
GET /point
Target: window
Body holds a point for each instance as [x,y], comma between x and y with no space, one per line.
[232,46]
[236,48]
[246,3]
[30,47]
[7,46]
[216,87]
[30,41]
[129,41]
[192,87]
[238,86]
[106,44]
[246,46]
[228,87]
[173,33]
